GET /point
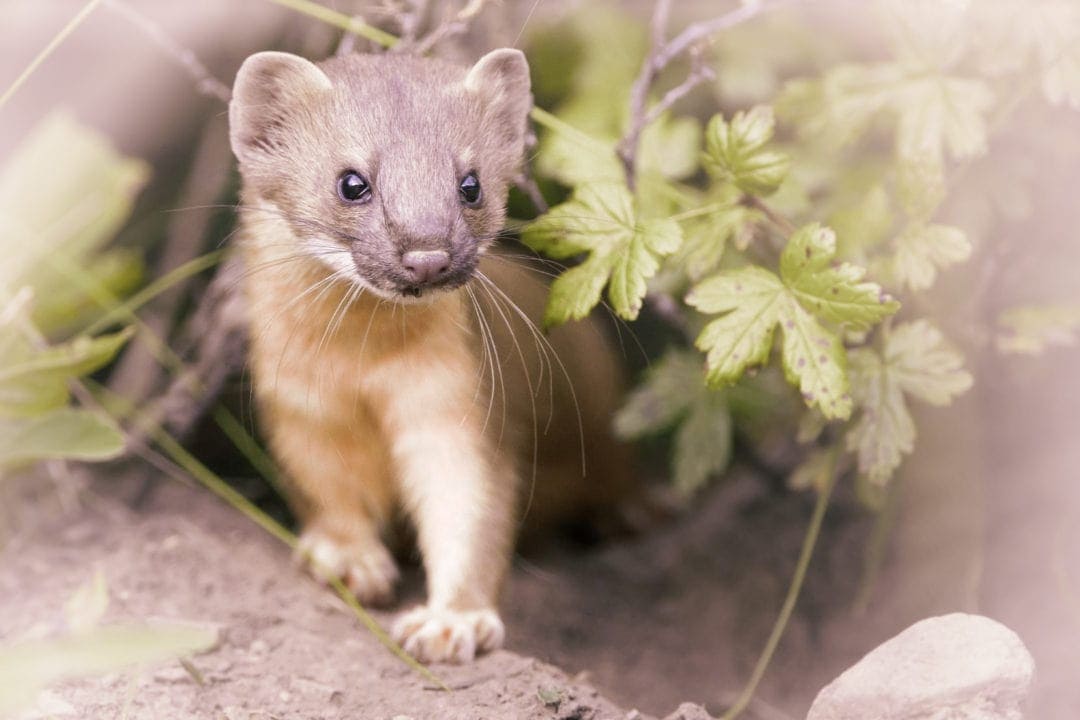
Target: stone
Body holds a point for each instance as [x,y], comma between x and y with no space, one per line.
[952,667]
[689,711]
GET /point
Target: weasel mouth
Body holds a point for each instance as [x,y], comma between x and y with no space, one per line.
[413,291]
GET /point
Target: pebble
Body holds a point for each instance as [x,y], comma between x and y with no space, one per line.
[958,666]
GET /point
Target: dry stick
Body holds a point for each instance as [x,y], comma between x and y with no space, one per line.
[805,554]
[660,56]
[48,50]
[451,27]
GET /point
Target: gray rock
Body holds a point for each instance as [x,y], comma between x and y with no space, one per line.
[953,667]
[689,711]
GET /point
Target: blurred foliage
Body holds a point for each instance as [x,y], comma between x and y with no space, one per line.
[44,240]
[87,647]
[731,228]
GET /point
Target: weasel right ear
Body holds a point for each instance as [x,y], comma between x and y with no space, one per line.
[270,88]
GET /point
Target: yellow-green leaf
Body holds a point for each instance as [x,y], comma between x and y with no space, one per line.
[923,250]
[751,301]
[28,667]
[624,251]
[914,360]
[834,292]
[66,434]
[738,151]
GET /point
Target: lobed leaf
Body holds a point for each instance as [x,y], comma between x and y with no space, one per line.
[922,250]
[669,389]
[914,360]
[751,301]
[738,151]
[624,251]
[702,444]
[835,293]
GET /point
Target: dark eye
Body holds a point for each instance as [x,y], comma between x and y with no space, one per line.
[470,189]
[352,187]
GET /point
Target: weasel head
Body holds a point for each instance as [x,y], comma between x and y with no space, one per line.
[390,170]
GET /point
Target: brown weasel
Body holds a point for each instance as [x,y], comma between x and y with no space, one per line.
[390,369]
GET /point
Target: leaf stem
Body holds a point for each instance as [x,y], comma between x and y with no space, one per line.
[807,552]
[126,310]
[782,223]
[699,211]
[48,50]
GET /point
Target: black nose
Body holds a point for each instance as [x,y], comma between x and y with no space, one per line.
[422,266]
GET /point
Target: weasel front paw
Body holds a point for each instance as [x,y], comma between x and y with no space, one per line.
[439,635]
[365,565]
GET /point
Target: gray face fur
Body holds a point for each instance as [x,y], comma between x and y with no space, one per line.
[413,128]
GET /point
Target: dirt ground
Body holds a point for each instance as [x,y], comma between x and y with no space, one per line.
[988,524]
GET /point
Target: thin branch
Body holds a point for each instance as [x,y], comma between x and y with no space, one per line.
[699,73]
[661,55]
[205,82]
[456,25]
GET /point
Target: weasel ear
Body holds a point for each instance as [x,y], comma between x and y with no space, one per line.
[501,78]
[269,88]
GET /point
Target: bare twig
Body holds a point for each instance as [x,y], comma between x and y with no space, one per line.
[458,24]
[205,82]
[348,42]
[661,55]
[410,21]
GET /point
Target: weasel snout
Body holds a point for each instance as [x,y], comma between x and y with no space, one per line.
[424,266]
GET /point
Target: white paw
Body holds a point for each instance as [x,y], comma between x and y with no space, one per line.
[365,566]
[437,635]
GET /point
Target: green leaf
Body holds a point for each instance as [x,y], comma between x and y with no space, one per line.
[737,152]
[85,206]
[1033,329]
[61,306]
[671,393]
[66,434]
[924,365]
[915,361]
[840,107]
[748,301]
[834,292]
[934,113]
[702,444]
[32,381]
[751,301]
[708,236]
[670,387]
[864,224]
[922,250]
[624,251]
[938,113]
[28,667]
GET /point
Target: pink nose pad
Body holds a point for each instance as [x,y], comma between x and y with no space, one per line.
[422,266]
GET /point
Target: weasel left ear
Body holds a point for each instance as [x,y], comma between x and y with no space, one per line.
[270,87]
[501,78]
